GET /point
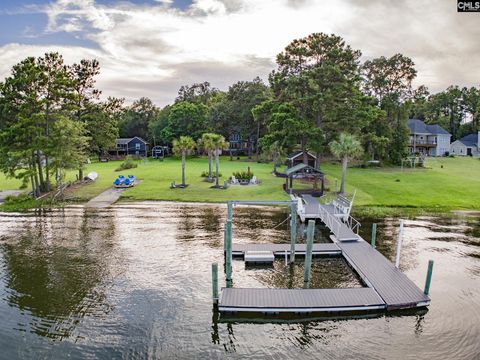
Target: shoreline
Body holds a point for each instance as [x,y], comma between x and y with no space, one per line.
[364,211]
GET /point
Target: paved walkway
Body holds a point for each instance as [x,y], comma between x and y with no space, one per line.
[105,199]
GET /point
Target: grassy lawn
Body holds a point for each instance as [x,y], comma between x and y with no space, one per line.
[157,175]
[445,183]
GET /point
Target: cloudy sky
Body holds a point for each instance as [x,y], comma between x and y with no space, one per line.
[151,48]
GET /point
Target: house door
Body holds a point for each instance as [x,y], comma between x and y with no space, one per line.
[469,151]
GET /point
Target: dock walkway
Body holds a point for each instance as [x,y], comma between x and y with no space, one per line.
[393,286]
[387,288]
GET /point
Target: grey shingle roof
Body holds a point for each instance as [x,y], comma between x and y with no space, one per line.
[124,140]
[470,140]
[296,153]
[437,130]
[417,126]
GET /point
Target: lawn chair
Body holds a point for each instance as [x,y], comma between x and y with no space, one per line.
[234,181]
[254,180]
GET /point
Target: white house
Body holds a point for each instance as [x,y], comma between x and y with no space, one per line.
[431,140]
[467,146]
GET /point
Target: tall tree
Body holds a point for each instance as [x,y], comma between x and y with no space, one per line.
[347,147]
[389,81]
[85,94]
[318,75]
[183,146]
[101,124]
[219,144]
[137,118]
[207,143]
[198,93]
[187,119]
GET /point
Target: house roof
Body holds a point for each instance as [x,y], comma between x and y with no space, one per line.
[127,140]
[298,153]
[417,126]
[303,169]
[437,130]
[124,140]
[470,140]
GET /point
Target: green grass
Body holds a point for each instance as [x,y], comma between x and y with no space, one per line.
[156,177]
[380,191]
[456,185]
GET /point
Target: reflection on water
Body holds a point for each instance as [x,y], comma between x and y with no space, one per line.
[55,268]
[133,281]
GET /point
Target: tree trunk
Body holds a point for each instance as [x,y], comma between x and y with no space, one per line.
[210,165]
[40,171]
[33,186]
[305,155]
[319,125]
[80,172]
[35,178]
[317,160]
[257,151]
[47,175]
[216,167]
[344,172]
[183,168]
[274,164]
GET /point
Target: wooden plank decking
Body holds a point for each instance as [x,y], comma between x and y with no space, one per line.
[387,287]
[279,249]
[299,300]
[394,287]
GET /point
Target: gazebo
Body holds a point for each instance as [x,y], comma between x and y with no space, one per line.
[302,171]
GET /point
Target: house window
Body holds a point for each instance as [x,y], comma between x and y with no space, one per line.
[137,146]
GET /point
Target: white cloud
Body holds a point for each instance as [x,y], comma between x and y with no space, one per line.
[150,50]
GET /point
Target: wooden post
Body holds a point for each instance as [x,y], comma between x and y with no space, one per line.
[215,283]
[293,231]
[374,234]
[228,254]
[308,254]
[429,277]
[399,245]
[229,210]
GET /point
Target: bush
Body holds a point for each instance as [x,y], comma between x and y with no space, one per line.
[19,203]
[243,175]
[214,174]
[127,164]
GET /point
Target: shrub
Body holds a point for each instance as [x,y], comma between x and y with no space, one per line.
[214,174]
[127,164]
[19,203]
[243,175]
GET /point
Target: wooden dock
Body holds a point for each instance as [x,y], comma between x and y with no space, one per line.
[280,249]
[299,300]
[386,287]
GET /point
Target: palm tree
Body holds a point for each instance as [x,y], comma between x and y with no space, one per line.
[207,143]
[183,146]
[347,147]
[219,144]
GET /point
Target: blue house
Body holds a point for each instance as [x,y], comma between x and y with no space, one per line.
[135,146]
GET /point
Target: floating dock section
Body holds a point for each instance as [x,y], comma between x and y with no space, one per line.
[387,288]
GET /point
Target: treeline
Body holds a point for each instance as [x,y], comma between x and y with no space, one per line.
[319,89]
[51,119]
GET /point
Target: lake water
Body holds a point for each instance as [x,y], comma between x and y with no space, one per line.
[134,282]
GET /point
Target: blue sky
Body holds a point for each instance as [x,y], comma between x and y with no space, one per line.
[152,47]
